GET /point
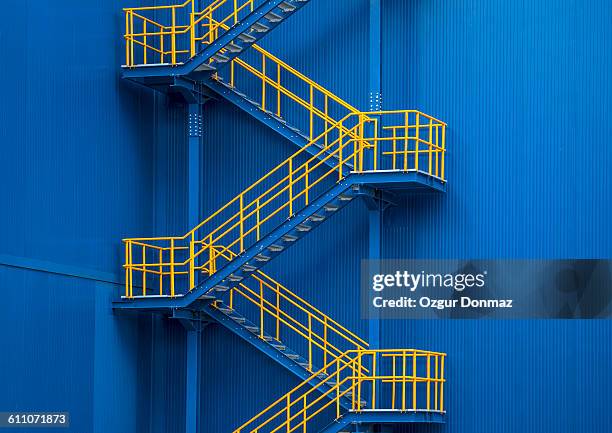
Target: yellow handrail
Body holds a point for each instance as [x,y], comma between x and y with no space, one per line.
[184,38]
[288,187]
[294,410]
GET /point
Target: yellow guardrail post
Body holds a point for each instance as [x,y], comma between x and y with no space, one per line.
[306,183]
[359,378]
[338,389]
[414,380]
[443,150]
[394,141]
[173,36]
[192,29]
[277,311]
[442,383]
[263,82]
[374,379]
[144,41]
[144,271]
[235,11]
[261,311]
[288,413]
[325,343]
[290,186]
[127,269]
[418,141]
[161,271]
[309,342]
[132,38]
[126,37]
[311,111]
[172,265]
[241,222]
[430,145]
[304,417]
[191,261]
[404,356]
[406,132]
[428,381]
[393,383]
[278,89]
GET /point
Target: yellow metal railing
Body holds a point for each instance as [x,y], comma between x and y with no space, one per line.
[173,34]
[159,265]
[406,380]
[278,308]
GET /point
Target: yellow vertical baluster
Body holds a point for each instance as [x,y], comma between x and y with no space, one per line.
[131,271]
[144,271]
[309,342]
[127,41]
[375,144]
[394,141]
[261,310]
[325,343]
[406,122]
[359,378]
[304,417]
[161,272]
[277,311]
[278,89]
[311,108]
[337,385]
[132,37]
[430,145]
[144,41]
[263,82]
[290,186]
[231,298]
[404,355]
[127,269]
[442,383]
[340,162]
[172,266]
[232,74]
[437,149]
[258,218]
[327,120]
[443,150]
[436,383]
[161,45]
[192,30]
[191,261]
[393,384]
[428,381]
[241,222]
[414,380]
[374,375]
[306,182]
[173,36]
[235,11]
[288,413]
[418,142]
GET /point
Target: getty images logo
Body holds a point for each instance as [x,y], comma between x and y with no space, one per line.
[414,281]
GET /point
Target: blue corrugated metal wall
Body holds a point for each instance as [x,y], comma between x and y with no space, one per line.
[88,159]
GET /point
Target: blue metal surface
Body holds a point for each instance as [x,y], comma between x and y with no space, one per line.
[89,159]
[271,121]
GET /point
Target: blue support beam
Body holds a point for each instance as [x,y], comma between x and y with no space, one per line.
[192,400]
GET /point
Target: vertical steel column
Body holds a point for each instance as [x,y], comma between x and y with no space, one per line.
[374,75]
[375,209]
[192,386]
[375,212]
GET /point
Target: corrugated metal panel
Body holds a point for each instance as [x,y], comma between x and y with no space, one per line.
[90,159]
